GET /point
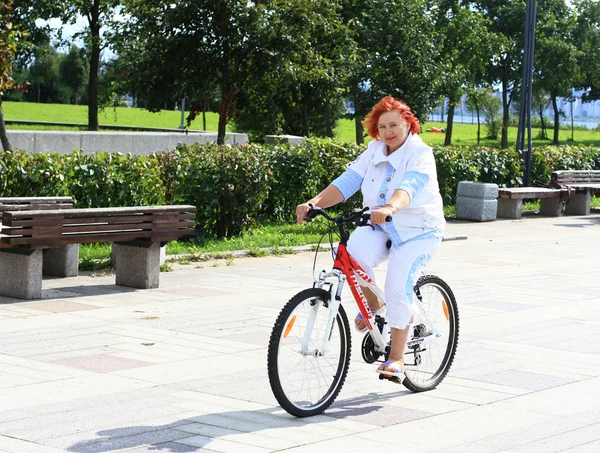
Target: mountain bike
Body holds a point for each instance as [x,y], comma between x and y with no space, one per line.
[309,348]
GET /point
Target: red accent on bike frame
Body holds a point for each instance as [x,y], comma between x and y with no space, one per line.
[348,265]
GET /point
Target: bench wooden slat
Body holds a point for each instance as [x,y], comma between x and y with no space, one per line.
[106,212]
[38,206]
[518,193]
[167,235]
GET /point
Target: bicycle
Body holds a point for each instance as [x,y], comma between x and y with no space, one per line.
[310,344]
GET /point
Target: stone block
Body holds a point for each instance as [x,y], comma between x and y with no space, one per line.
[137,266]
[21,273]
[294,139]
[579,204]
[62,261]
[476,201]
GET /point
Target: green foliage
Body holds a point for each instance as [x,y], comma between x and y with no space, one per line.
[93,180]
[233,187]
[546,159]
[227,184]
[461,163]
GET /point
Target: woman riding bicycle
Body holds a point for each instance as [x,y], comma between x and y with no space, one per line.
[397,177]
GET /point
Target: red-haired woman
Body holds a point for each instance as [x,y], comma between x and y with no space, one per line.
[397,177]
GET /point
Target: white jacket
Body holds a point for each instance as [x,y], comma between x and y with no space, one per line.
[411,168]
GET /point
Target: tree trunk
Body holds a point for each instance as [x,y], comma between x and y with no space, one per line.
[39,92]
[505,115]
[542,124]
[94,67]
[478,127]
[328,126]
[556,116]
[77,98]
[6,146]
[204,115]
[358,127]
[442,110]
[305,117]
[449,121]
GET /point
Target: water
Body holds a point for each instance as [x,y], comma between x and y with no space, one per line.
[590,124]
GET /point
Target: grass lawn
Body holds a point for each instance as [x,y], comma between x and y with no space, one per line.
[463,134]
[269,239]
[120,116]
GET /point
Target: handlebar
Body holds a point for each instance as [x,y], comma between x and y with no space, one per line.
[362,216]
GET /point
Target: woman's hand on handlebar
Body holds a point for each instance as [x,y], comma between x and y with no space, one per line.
[301,211]
[381,215]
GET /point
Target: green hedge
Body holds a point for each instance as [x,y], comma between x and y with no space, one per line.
[235,186]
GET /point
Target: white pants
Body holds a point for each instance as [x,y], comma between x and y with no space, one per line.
[406,262]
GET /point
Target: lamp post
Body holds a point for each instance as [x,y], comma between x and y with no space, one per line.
[526,85]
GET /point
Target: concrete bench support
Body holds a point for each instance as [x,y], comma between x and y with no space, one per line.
[137,266]
[21,273]
[579,204]
[551,207]
[476,201]
[509,208]
[62,261]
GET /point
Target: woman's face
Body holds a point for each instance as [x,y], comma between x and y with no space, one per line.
[392,129]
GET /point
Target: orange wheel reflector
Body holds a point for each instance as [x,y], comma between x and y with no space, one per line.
[289,326]
[445,307]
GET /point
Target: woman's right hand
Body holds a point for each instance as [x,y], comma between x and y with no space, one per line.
[301,212]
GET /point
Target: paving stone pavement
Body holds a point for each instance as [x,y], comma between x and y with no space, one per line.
[93,367]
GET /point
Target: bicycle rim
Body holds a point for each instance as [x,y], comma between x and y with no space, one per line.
[306,383]
[429,362]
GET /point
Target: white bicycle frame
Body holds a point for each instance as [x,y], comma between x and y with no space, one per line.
[336,278]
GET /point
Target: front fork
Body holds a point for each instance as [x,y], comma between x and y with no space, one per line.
[339,279]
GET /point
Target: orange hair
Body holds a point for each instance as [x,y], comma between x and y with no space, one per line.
[388,104]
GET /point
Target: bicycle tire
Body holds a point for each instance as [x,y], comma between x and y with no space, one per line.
[426,375]
[312,382]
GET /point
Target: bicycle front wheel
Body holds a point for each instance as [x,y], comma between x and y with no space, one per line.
[432,348]
[306,380]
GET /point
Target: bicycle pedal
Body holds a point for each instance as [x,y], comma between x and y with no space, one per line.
[394,379]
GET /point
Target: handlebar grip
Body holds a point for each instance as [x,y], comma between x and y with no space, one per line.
[388,218]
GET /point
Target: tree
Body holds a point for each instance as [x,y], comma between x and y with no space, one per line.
[556,67]
[476,99]
[587,40]
[466,46]
[401,53]
[44,72]
[174,49]
[540,101]
[73,71]
[10,38]
[490,105]
[99,14]
[308,48]
[507,24]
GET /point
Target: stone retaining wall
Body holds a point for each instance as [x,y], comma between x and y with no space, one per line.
[136,143]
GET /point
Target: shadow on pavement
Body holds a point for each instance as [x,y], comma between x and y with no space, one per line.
[207,428]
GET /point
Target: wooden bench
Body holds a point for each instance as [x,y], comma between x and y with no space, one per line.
[585,183]
[59,262]
[510,201]
[137,234]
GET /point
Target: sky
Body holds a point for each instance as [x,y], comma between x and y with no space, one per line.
[69,30]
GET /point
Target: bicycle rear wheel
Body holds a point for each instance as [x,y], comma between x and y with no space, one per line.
[306,382]
[431,351]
